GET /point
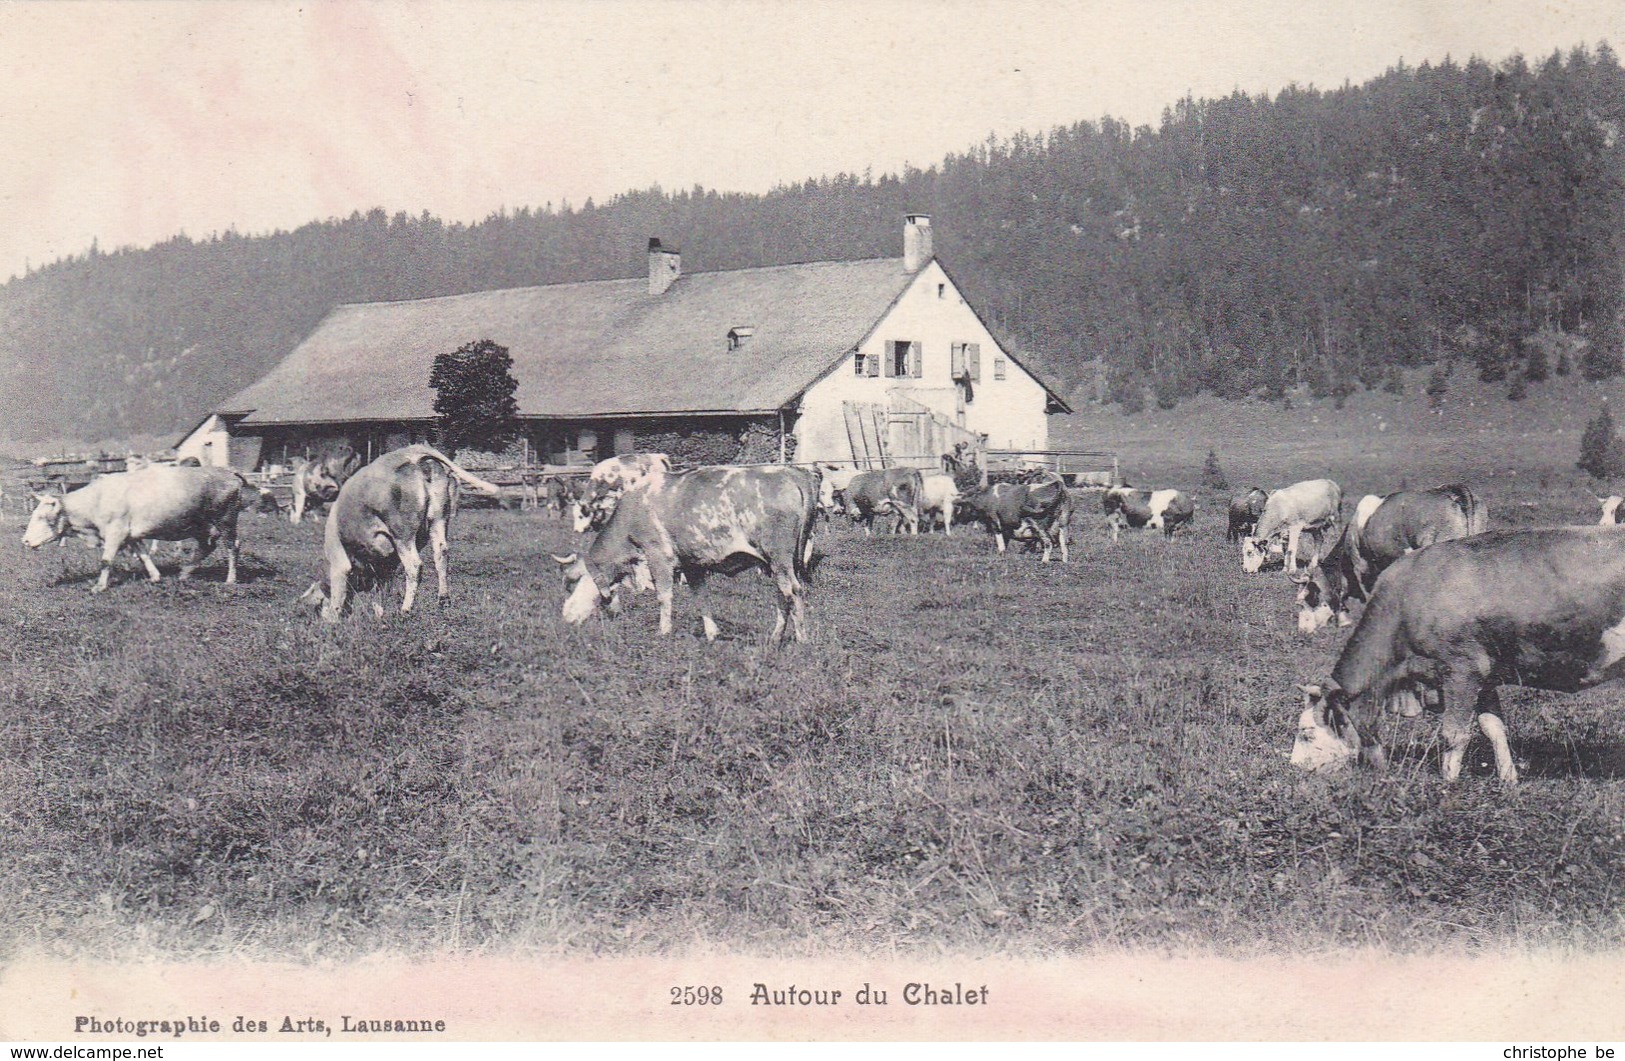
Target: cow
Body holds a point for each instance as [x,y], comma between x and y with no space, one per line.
[1244,513]
[1164,510]
[159,502]
[833,487]
[694,523]
[383,515]
[1313,505]
[608,481]
[937,497]
[1041,507]
[1381,531]
[1610,508]
[317,481]
[898,490]
[1541,608]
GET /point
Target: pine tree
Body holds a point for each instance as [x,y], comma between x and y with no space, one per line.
[1212,475]
[1600,448]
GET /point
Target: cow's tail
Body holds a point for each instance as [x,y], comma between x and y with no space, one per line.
[1472,509]
[427,452]
[811,503]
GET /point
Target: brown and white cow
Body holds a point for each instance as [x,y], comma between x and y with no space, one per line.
[384,514]
[1544,609]
[1041,508]
[1164,510]
[897,490]
[1244,513]
[317,481]
[1381,531]
[609,480]
[1313,505]
[159,502]
[695,523]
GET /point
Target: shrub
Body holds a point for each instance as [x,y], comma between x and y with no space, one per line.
[1602,454]
[1212,475]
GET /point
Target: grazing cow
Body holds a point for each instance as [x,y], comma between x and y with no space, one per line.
[1313,505]
[609,480]
[159,502]
[1544,609]
[1042,507]
[1164,510]
[1382,530]
[384,514]
[694,523]
[833,486]
[317,481]
[898,490]
[937,496]
[1244,513]
[1610,508]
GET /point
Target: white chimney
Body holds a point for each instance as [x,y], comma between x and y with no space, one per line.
[665,266]
[917,250]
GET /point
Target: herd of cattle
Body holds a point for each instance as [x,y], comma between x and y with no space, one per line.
[1451,611]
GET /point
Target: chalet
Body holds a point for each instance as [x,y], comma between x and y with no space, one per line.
[839,361]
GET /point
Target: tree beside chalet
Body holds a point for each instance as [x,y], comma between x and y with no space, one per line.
[868,360]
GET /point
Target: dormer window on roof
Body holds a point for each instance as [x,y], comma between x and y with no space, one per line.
[738,335]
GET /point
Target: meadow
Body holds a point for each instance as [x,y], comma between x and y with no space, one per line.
[971,754]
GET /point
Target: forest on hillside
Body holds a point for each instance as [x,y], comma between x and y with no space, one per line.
[1245,246]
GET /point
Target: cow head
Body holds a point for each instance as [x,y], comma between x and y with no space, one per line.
[320,482]
[1610,508]
[1258,553]
[48,523]
[594,507]
[1320,597]
[1326,739]
[584,596]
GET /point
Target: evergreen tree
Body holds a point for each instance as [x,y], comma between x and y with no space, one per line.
[1438,386]
[474,397]
[1212,475]
[1600,447]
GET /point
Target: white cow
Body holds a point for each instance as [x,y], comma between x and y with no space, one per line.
[1313,505]
[1610,508]
[160,502]
[938,494]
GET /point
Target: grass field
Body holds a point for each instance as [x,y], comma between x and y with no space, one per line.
[973,753]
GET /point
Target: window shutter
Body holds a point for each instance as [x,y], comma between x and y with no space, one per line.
[973,357]
[956,361]
[916,360]
[888,368]
[872,365]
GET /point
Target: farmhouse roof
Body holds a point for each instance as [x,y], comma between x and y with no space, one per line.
[593,349]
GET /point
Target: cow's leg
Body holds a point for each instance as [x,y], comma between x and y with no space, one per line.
[296,511]
[411,570]
[697,580]
[1062,538]
[1292,533]
[1044,539]
[1494,727]
[663,576]
[1461,695]
[144,548]
[113,539]
[948,519]
[998,537]
[791,609]
[206,542]
[438,550]
[338,584]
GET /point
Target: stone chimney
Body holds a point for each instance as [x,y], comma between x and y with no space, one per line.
[917,250]
[665,266]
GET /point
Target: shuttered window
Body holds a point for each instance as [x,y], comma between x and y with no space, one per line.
[956,361]
[998,368]
[903,358]
[973,361]
[916,360]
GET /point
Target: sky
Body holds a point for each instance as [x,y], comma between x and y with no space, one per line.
[131,122]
